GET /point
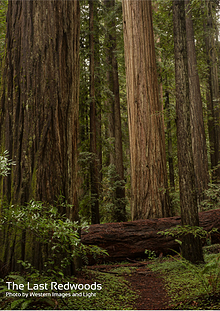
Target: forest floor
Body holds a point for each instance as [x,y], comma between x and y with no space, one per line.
[125,286]
[149,286]
[163,283]
[167,283]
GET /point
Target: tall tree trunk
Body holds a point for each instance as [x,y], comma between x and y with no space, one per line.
[149,194]
[213,92]
[39,104]
[169,142]
[98,95]
[115,132]
[94,175]
[196,112]
[191,247]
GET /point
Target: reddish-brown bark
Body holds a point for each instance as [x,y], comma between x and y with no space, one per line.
[149,186]
[39,119]
[130,239]
[196,111]
[114,115]
[192,249]
[94,174]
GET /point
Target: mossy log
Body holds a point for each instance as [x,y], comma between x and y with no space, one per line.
[130,239]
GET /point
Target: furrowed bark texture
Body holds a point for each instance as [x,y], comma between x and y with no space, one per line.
[113,106]
[213,91]
[39,104]
[94,175]
[196,113]
[149,196]
[169,142]
[130,239]
[191,247]
[98,93]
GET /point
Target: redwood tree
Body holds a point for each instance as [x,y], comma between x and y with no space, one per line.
[94,174]
[169,141]
[149,195]
[196,111]
[39,104]
[191,247]
[213,87]
[114,115]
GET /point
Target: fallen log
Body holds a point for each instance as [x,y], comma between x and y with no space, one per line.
[130,239]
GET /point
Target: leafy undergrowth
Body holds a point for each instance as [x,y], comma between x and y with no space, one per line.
[103,287]
[191,287]
[96,291]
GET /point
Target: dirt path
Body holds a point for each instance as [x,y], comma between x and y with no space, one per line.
[148,285]
[152,295]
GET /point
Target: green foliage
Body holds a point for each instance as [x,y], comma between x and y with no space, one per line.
[85,160]
[191,286]
[20,303]
[207,274]
[50,228]
[212,198]
[110,205]
[86,199]
[180,231]
[210,275]
[175,201]
[104,22]
[114,295]
[3,12]
[151,255]
[5,164]
[163,31]
[124,270]
[211,249]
